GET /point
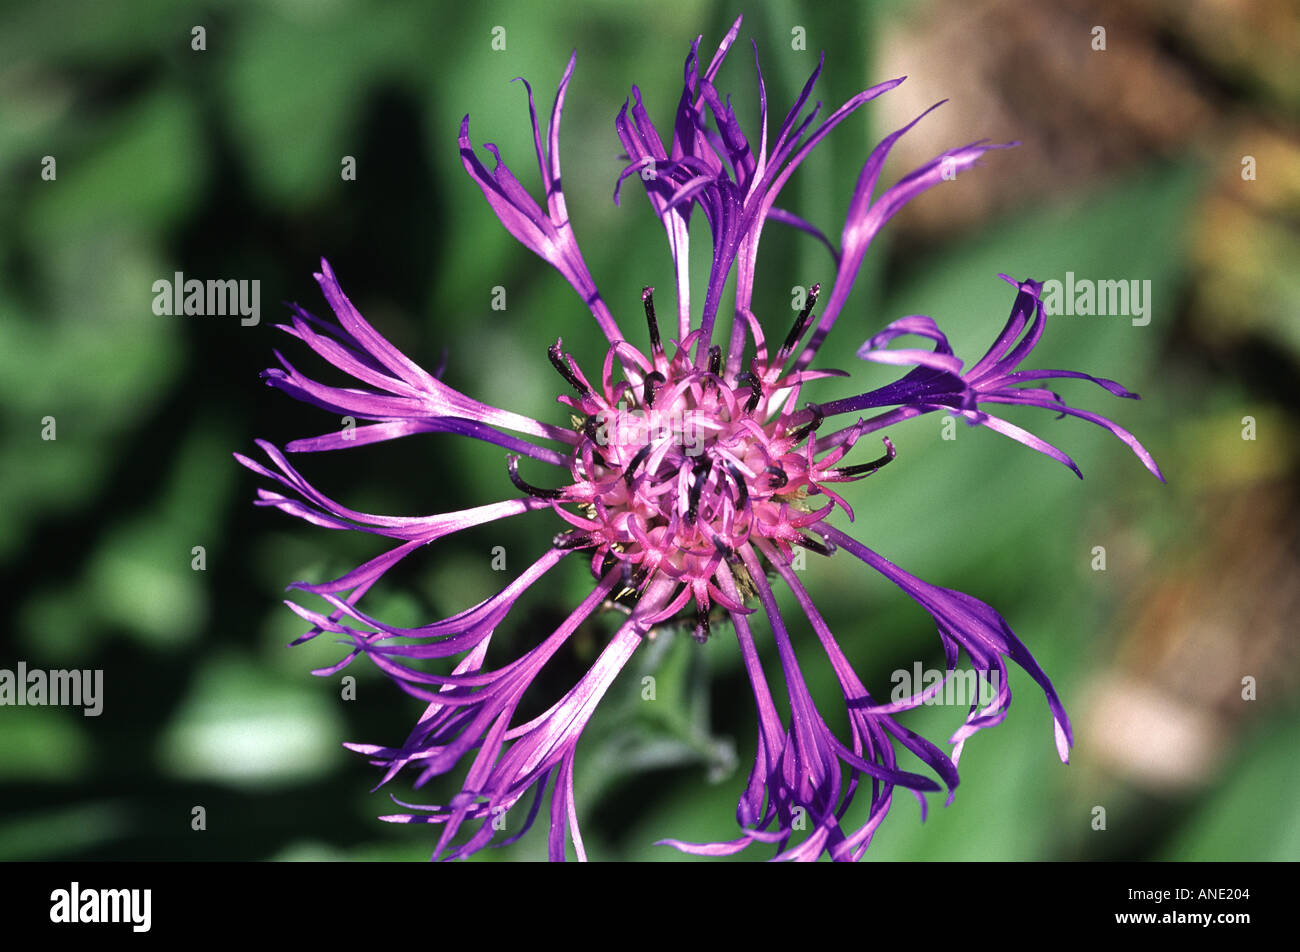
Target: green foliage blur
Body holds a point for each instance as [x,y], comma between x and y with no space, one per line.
[225,163]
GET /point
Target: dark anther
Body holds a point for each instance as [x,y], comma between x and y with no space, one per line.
[591,430]
[607,564]
[573,540]
[648,299]
[724,550]
[755,389]
[798,435]
[701,634]
[557,360]
[703,467]
[592,433]
[637,460]
[739,480]
[779,478]
[866,469]
[812,545]
[512,466]
[648,391]
[800,325]
[715,359]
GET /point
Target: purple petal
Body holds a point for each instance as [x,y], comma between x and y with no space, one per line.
[979,629]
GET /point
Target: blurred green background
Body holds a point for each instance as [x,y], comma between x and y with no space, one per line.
[225,163]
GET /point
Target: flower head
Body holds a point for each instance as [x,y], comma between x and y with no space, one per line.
[687,476]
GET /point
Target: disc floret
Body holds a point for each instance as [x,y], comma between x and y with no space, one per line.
[677,467]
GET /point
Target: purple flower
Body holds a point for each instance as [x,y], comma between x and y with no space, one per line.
[938,382]
[688,478]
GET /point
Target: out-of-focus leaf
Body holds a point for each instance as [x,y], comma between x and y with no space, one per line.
[1254,815]
[244,727]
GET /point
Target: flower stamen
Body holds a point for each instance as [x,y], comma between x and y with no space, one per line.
[866,469]
[512,467]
